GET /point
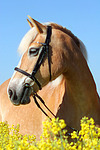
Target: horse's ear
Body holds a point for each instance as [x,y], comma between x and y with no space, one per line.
[30,24]
[40,27]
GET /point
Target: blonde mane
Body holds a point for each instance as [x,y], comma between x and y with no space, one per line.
[26,40]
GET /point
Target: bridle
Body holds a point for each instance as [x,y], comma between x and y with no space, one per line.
[44,51]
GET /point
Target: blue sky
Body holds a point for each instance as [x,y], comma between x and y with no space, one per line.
[82,17]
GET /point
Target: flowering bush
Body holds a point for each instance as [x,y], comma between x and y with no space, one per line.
[52,138]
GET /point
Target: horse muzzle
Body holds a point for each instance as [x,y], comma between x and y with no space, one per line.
[19,96]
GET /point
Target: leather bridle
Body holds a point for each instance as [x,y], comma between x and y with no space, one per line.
[44,51]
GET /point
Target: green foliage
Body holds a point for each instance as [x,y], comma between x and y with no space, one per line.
[52,138]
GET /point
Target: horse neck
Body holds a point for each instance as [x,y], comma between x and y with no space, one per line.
[70,100]
[81,92]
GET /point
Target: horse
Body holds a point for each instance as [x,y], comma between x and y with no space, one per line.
[68,87]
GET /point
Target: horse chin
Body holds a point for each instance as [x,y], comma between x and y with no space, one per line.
[25,101]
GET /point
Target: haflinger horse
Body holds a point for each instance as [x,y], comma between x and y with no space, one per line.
[53,60]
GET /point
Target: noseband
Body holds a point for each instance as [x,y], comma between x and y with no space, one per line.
[45,50]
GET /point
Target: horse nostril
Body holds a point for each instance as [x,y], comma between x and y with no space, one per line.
[12,95]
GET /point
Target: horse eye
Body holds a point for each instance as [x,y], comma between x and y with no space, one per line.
[33,51]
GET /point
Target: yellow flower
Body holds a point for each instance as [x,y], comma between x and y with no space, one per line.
[62,124]
[53,137]
[74,135]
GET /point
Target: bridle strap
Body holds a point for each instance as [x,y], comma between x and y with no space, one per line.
[42,101]
[49,32]
[28,75]
[39,61]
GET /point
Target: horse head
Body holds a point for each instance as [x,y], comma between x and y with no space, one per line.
[47,52]
[21,87]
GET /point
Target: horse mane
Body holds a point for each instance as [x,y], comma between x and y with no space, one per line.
[78,42]
[29,37]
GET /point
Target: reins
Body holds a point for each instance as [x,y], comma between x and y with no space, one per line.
[35,96]
[44,51]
